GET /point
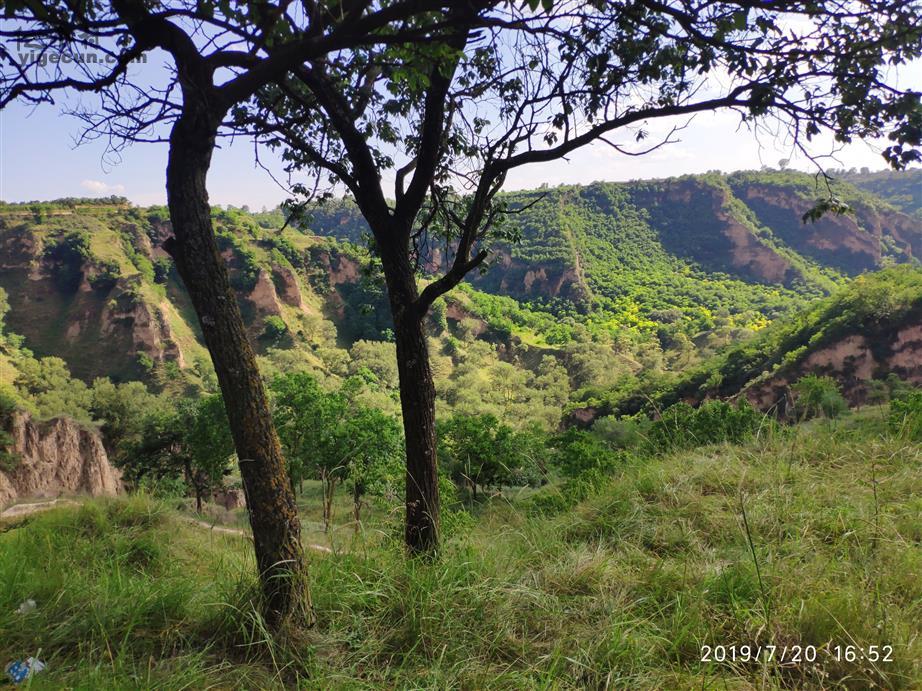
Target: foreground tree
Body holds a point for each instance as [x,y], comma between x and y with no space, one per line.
[502,85]
[220,54]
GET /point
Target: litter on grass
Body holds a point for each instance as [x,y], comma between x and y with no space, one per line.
[20,670]
[26,607]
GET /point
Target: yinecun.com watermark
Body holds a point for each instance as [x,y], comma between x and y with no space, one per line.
[34,54]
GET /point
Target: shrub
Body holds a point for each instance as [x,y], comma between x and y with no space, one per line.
[818,397]
[67,254]
[713,422]
[906,416]
[274,328]
[105,275]
[287,250]
[577,452]
[620,433]
[162,269]
[8,459]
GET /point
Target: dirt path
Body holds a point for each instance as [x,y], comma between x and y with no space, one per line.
[244,533]
[21,510]
[26,509]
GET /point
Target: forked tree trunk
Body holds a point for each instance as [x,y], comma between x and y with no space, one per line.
[417,402]
[270,500]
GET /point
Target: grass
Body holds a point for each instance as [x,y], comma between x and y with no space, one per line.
[620,592]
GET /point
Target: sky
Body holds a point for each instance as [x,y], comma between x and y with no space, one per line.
[39,160]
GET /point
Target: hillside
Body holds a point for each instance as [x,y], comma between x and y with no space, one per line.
[734,244]
[864,333]
[901,189]
[607,283]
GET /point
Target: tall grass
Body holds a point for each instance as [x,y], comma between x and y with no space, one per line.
[620,592]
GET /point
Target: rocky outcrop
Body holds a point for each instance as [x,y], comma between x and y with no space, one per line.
[263,296]
[56,457]
[126,317]
[287,286]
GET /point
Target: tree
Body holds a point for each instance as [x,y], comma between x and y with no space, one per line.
[501,85]
[210,445]
[373,464]
[818,396]
[221,53]
[479,450]
[121,408]
[330,436]
[303,416]
[192,440]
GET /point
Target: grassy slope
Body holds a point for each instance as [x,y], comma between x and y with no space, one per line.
[622,591]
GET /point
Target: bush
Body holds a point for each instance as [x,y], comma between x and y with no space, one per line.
[274,328]
[818,397]
[906,416]
[621,433]
[287,250]
[8,459]
[713,422]
[577,452]
[162,269]
[105,275]
[68,254]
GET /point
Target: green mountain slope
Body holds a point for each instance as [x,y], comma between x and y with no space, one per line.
[727,246]
[902,189]
[867,331]
[608,280]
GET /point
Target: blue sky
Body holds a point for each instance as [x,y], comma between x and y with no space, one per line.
[39,160]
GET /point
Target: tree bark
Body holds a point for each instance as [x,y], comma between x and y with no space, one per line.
[270,500]
[356,507]
[417,402]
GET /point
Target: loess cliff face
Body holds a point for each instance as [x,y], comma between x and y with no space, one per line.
[853,361]
[729,243]
[509,275]
[100,326]
[851,243]
[56,457]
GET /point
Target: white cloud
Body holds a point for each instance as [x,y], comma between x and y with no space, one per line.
[99,187]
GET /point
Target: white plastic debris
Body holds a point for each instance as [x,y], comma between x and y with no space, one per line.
[26,606]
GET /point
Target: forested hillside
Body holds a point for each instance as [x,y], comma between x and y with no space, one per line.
[733,245]
[604,284]
[901,189]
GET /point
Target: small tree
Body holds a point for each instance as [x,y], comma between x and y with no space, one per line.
[329,436]
[210,445]
[192,441]
[817,396]
[374,463]
[480,451]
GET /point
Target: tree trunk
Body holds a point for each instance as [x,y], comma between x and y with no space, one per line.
[356,506]
[417,402]
[270,501]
